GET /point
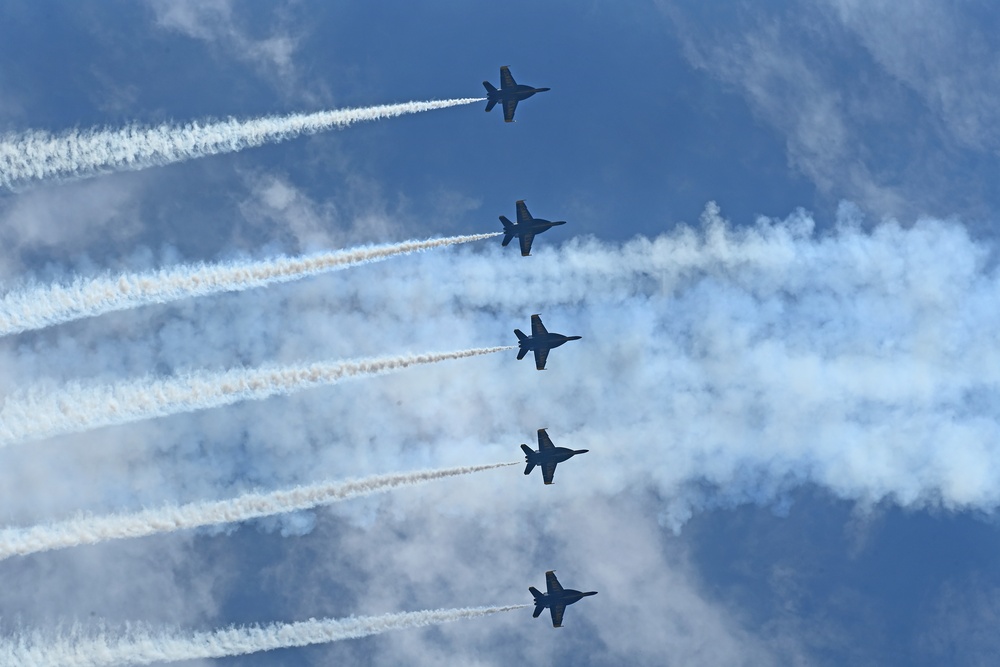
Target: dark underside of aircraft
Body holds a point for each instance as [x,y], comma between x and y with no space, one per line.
[540,342]
[509,95]
[526,228]
[547,456]
[556,598]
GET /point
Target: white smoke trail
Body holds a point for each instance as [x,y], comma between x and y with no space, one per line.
[33,415]
[93,529]
[38,307]
[40,155]
[142,646]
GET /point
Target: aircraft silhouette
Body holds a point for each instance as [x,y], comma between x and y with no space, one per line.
[547,456]
[540,342]
[556,598]
[509,95]
[526,228]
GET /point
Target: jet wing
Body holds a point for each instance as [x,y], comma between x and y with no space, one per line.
[525,240]
[537,328]
[506,80]
[522,213]
[540,356]
[557,611]
[551,583]
[548,471]
[508,110]
[544,442]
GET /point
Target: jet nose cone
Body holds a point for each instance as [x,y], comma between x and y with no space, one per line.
[574,337]
[581,451]
[590,593]
[542,90]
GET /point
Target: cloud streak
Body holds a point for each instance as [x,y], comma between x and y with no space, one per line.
[36,414]
[37,307]
[93,529]
[143,646]
[41,155]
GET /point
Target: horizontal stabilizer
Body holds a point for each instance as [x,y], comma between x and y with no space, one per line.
[490,105]
[489,87]
[521,354]
[538,611]
[520,334]
[507,224]
[527,451]
[528,468]
[507,238]
[535,592]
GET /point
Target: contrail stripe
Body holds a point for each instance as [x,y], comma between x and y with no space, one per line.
[142,646]
[33,414]
[37,307]
[93,529]
[37,155]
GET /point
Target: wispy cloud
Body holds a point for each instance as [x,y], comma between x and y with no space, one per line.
[946,55]
[887,106]
[215,23]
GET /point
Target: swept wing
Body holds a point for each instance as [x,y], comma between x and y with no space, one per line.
[525,240]
[522,213]
[548,471]
[544,442]
[506,80]
[540,356]
[557,611]
[508,110]
[537,328]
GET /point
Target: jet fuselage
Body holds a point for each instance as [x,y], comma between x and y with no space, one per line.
[545,341]
[536,226]
[555,455]
[564,597]
[515,94]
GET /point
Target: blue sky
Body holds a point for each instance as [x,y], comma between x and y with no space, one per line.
[791,421]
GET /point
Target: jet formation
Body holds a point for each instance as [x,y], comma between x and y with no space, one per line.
[547,456]
[556,598]
[509,95]
[526,228]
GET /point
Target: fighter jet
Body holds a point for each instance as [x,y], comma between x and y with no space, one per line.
[556,598]
[540,342]
[526,228]
[509,94]
[547,456]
